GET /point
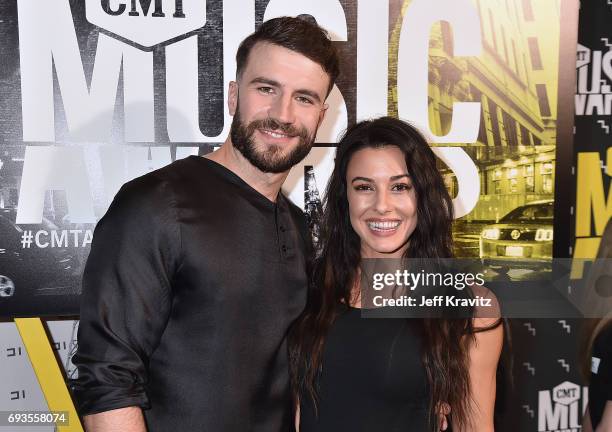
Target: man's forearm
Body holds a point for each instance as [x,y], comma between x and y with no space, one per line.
[129,419]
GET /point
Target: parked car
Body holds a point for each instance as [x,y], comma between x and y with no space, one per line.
[525,232]
[7,287]
[31,270]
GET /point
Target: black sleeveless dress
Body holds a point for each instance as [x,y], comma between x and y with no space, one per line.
[372,378]
[600,389]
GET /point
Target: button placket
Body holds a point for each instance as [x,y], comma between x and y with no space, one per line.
[283,232]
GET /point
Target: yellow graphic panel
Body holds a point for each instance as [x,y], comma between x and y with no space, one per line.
[47,371]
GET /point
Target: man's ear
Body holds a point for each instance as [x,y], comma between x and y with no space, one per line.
[232,99]
[322,113]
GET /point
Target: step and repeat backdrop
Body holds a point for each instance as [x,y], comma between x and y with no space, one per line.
[94,93]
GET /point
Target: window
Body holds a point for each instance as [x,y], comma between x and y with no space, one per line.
[482,130]
[491,23]
[516,65]
[546,170]
[484,190]
[525,68]
[446,117]
[527,10]
[547,183]
[510,127]
[543,100]
[454,186]
[494,123]
[525,136]
[529,178]
[534,53]
[513,185]
[497,187]
[447,38]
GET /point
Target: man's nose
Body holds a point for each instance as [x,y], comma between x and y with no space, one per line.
[282,110]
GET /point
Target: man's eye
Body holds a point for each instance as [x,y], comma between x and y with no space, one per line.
[304,100]
[265,90]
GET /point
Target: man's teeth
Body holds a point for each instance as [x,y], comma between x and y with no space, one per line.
[275,135]
[383,225]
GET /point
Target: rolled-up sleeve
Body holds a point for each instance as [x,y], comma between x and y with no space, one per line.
[126,296]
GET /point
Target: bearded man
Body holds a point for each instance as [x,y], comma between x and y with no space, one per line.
[197,269]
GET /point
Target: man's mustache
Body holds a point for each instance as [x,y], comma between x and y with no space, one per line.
[275,125]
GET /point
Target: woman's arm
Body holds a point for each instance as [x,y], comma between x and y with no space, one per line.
[484,355]
[586,421]
[605,425]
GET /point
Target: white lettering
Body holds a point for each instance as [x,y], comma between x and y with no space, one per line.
[59,241]
[89,108]
[595,75]
[550,416]
[54,168]
[182,86]
[467,178]
[413,67]
[38,241]
[372,58]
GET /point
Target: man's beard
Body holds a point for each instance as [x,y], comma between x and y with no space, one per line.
[270,160]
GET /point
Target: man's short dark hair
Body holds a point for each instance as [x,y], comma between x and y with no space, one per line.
[298,35]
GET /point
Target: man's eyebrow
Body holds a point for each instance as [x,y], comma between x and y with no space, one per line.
[271,82]
[310,93]
[392,178]
[262,80]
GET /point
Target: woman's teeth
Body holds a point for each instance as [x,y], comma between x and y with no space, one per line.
[383,226]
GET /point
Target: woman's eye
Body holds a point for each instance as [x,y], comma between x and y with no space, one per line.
[400,187]
[363,187]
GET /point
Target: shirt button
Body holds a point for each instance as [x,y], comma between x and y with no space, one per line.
[282,229]
[284,248]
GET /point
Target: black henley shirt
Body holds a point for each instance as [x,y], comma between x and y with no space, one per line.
[192,281]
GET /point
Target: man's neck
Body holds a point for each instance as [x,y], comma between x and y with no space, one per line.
[267,184]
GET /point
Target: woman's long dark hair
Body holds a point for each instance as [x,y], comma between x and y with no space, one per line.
[445,341]
[591,327]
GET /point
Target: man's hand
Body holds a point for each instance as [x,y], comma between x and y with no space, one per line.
[129,419]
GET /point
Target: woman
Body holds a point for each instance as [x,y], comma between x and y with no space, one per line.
[598,371]
[386,199]
[597,343]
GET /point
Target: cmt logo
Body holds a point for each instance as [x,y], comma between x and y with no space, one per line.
[147,22]
[559,409]
[145,5]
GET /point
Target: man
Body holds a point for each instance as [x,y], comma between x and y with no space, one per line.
[197,269]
